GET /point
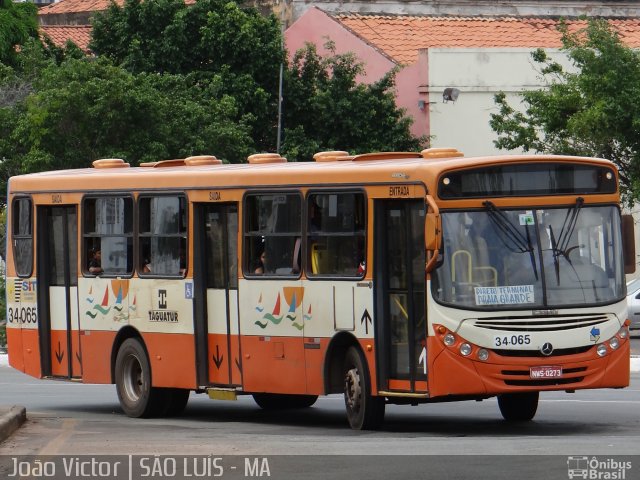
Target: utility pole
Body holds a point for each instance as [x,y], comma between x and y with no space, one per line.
[283,5]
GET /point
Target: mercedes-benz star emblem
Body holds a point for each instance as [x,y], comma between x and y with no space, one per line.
[547,349]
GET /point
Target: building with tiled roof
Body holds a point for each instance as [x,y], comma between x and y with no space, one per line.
[477,56]
[72,12]
[68,13]
[60,34]
[401,36]
[475,8]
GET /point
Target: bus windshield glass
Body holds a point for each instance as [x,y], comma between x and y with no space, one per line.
[497,259]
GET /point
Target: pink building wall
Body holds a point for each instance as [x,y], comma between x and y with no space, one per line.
[315,26]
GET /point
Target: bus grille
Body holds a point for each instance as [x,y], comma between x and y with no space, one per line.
[537,353]
[542,324]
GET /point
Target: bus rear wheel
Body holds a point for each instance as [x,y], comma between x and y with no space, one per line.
[277,401]
[133,382]
[518,407]
[364,411]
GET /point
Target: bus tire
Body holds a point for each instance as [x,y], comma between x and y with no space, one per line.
[277,401]
[133,382]
[177,399]
[518,407]
[364,411]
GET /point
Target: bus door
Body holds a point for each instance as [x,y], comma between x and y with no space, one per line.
[400,314]
[57,270]
[216,318]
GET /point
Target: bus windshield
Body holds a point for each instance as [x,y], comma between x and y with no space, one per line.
[498,259]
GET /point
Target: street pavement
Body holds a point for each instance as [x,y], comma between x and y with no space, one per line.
[13,416]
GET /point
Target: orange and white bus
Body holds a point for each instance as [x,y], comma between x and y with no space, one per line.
[392,278]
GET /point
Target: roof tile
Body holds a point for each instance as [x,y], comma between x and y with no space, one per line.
[400,37]
[59,34]
[79,6]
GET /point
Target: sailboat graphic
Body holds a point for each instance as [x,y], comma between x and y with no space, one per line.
[274,317]
[104,307]
[307,316]
[90,297]
[133,306]
[118,305]
[260,307]
[292,309]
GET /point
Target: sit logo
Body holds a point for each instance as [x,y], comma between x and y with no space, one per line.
[595,468]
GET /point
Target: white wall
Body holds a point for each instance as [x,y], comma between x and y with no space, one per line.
[479,73]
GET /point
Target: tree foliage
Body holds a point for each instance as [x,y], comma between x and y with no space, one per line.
[85,109]
[325,108]
[171,81]
[593,110]
[210,37]
[18,23]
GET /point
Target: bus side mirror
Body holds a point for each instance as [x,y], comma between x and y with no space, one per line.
[432,233]
[628,244]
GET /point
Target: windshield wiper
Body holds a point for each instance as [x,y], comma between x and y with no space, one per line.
[561,246]
[570,222]
[520,243]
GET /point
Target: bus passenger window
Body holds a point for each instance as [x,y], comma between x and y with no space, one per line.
[108,235]
[336,234]
[272,234]
[22,232]
[162,236]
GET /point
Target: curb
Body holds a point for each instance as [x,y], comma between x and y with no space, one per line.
[11,420]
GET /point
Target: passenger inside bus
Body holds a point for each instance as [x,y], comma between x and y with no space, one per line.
[95,263]
[259,265]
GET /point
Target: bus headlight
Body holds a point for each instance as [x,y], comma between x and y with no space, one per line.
[623,333]
[602,350]
[483,354]
[614,343]
[449,339]
[465,349]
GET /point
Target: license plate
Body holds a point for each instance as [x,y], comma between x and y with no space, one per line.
[545,372]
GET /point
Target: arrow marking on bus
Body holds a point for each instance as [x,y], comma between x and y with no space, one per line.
[217,359]
[423,359]
[59,354]
[366,319]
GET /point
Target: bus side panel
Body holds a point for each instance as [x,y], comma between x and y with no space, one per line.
[16,352]
[31,352]
[96,355]
[172,358]
[273,364]
[315,350]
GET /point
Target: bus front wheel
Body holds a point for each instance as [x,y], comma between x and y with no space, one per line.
[364,411]
[133,382]
[518,407]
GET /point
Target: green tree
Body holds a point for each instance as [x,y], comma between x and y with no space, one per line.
[593,110]
[211,37]
[86,109]
[18,23]
[326,109]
